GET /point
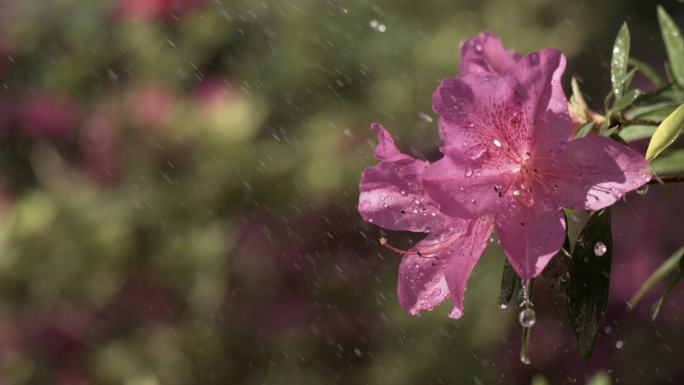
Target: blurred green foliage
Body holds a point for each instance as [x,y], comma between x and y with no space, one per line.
[179,181]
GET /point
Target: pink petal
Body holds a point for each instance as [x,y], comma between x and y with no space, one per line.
[466,187]
[426,280]
[594,172]
[530,236]
[462,260]
[486,53]
[515,115]
[391,194]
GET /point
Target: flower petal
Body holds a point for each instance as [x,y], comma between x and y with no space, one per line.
[530,236]
[391,194]
[467,188]
[486,53]
[463,255]
[443,266]
[519,114]
[594,172]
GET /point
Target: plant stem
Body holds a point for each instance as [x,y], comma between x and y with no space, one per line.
[667,179]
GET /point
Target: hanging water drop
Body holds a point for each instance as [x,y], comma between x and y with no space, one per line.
[527,317]
[642,190]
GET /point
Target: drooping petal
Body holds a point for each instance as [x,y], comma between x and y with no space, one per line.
[594,172]
[486,53]
[391,194]
[467,188]
[464,254]
[442,267]
[520,114]
[530,236]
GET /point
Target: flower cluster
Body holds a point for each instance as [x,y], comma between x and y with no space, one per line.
[508,164]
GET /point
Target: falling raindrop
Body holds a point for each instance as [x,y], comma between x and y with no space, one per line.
[619,344]
[503,306]
[600,249]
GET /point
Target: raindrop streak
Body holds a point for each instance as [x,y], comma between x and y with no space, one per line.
[526,318]
[600,249]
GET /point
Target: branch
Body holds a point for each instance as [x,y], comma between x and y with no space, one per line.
[666,179]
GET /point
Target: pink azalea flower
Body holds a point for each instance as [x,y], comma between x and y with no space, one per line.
[437,267]
[507,164]
[507,154]
[486,53]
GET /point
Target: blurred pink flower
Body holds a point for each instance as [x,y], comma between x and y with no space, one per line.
[437,267]
[47,116]
[507,153]
[100,144]
[152,9]
[212,92]
[151,106]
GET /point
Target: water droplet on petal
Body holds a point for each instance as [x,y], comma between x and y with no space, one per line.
[497,143]
[475,151]
[468,171]
[478,48]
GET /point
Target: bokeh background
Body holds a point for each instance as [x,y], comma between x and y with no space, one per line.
[178,189]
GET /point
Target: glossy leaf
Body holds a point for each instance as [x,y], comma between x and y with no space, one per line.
[619,60]
[658,111]
[626,100]
[636,132]
[509,281]
[674,45]
[670,163]
[666,133]
[668,267]
[590,281]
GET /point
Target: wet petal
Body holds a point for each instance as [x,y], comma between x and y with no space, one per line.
[530,236]
[467,188]
[391,194]
[594,172]
[525,111]
[486,53]
[463,255]
[443,266]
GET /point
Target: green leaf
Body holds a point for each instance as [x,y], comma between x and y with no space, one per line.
[636,132]
[666,133]
[648,71]
[674,44]
[619,60]
[509,281]
[658,111]
[584,130]
[626,100]
[590,281]
[655,309]
[669,266]
[670,163]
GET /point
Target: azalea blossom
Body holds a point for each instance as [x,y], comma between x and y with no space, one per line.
[437,267]
[508,164]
